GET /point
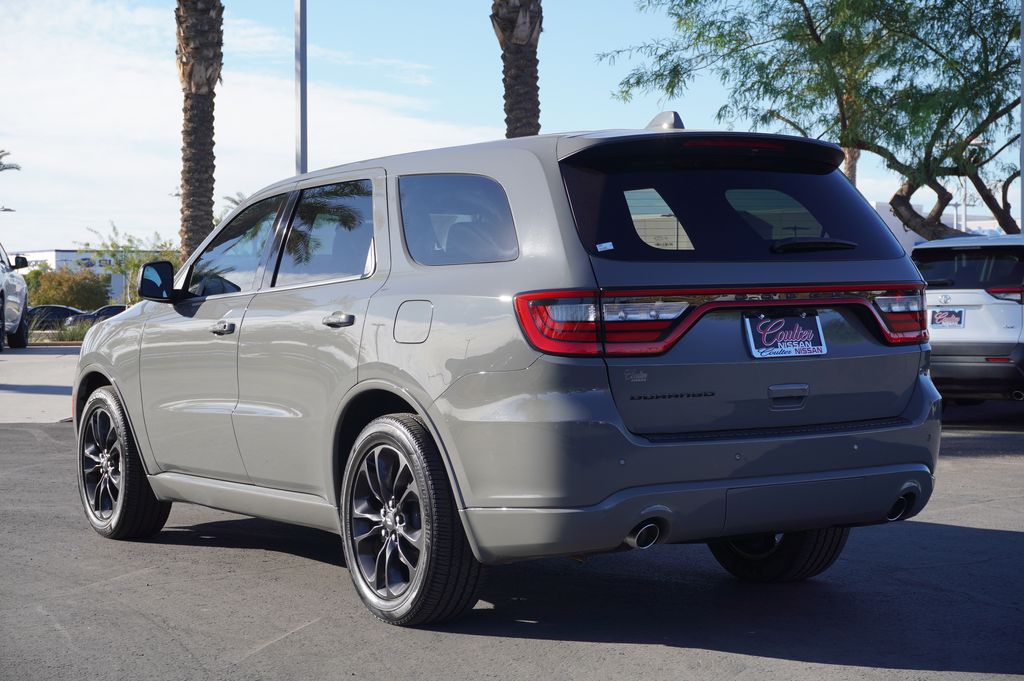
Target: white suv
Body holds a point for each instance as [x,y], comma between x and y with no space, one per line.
[13,302]
[975,303]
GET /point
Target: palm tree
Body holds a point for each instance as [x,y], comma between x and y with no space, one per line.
[200,57]
[7,166]
[517,23]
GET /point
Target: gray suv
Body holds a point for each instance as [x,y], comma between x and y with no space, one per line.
[553,345]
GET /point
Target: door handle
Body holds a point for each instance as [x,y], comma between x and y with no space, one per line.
[336,320]
[222,328]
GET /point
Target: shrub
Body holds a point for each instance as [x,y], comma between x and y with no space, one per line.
[84,289]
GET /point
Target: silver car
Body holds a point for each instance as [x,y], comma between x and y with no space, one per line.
[553,345]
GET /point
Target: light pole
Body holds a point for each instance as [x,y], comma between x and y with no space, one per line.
[300,87]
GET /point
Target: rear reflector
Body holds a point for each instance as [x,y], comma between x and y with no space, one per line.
[1014,293]
[649,322]
[998,360]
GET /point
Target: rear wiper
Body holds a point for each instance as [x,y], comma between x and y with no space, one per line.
[801,243]
[939,282]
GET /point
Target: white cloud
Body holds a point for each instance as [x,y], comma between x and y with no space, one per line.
[92,112]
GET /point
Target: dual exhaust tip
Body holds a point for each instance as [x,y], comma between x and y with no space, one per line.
[644,536]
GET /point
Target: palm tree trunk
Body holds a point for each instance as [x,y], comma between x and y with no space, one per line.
[517,24]
[200,58]
[197,166]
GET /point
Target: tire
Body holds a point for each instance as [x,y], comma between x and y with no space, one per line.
[19,339]
[398,512]
[789,557]
[112,484]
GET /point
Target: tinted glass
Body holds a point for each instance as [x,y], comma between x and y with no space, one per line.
[456,219]
[971,267]
[3,257]
[716,214]
[229,263]
[331,234]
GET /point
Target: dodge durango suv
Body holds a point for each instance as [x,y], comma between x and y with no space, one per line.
[554,345]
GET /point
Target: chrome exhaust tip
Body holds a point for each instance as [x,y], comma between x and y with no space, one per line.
[644,536]
[900,507]
[1018,395]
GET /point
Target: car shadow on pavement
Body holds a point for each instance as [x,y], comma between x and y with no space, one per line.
[36,389]
[916,596]
[255,533]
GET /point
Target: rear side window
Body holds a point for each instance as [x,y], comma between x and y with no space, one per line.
[229,263]
[331,235]
[456,220]
[978,267]
[723,214]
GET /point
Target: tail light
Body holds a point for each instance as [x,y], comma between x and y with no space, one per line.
[903,313]
[594,323]
[648,322]
[1014,293]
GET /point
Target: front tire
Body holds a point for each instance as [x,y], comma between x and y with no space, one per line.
[116,496]
[404,545]
[789,557]
[19,339]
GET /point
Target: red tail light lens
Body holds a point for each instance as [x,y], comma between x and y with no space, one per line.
[1014,293]
[560,322]
[592,323]
[903,313]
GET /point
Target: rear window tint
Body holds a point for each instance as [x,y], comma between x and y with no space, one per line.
[971,267]
[721,214]
[456,219]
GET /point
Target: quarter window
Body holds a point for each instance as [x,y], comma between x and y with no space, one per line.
[456,219]
[229,263]
[331,235]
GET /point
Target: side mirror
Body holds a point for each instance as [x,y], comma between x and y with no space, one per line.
[20,262]
[156,282]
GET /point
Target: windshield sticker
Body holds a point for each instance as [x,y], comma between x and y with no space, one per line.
[605,246]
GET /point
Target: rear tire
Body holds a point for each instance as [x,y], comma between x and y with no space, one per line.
[112,484]
[404,545]
[19,339]
[789,557]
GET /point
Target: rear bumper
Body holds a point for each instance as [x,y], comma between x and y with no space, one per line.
[962,369]
[701,511]
[544,466]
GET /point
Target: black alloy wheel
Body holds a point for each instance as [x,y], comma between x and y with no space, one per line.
[118,500]
[404,544]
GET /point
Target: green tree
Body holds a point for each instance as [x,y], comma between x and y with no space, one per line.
[83,289]
[884,76]
[517,24]
[128,253]
[200,41]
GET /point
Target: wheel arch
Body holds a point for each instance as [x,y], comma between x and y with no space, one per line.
[366,401]
[89,380]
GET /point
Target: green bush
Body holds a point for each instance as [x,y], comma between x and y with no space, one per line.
[84,289]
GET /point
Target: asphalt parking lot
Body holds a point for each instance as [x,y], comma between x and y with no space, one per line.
[222,596]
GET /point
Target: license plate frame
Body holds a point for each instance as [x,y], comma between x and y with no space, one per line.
[957,313]
[768,339]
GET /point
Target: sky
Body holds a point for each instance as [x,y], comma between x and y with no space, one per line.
[92,103]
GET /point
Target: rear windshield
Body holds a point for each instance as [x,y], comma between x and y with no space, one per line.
[978,267]
[715,214]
